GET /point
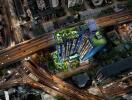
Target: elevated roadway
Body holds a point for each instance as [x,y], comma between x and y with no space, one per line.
[25,49]
[57,84]
[29,47]
[30,82]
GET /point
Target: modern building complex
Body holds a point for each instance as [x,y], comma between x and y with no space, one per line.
[65,50]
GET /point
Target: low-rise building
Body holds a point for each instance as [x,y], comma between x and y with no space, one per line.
[114,69]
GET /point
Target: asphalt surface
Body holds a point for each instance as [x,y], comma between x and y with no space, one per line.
[57,84]
[25,49]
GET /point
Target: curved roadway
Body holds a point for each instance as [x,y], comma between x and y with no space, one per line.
[57,84]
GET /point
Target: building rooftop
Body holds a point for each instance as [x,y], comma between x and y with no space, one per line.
[115,68]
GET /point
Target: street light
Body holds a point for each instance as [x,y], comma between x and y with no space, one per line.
[9,72]
[2,63]
[28,58]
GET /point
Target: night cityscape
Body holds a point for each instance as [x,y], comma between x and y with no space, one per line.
[65,49]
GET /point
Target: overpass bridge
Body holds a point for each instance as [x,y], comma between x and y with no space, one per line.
[25,49]
[29,47]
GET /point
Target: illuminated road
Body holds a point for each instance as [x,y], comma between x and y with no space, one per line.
[114,19]
[57,84]
[27,48]
[48,83]
[32,83]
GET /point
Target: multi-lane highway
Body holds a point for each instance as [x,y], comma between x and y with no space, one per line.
[28,81]
[57,84]
[50,84]
[26,48]
[29,47]
[114,19]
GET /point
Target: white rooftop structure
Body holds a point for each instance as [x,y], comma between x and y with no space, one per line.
[55,3]
[97,2]
[6,95]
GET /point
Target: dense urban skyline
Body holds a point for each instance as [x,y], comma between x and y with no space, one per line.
[65,49]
